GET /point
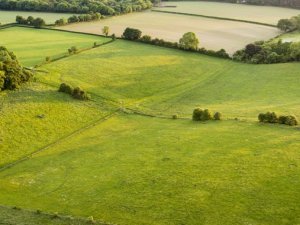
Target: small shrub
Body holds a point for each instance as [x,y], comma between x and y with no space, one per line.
[66,88]
[73,50]
[38,211]
[197,114]
[206,115]
[80,94]
[175,117]
[217,116]
[48,59]
[132,34]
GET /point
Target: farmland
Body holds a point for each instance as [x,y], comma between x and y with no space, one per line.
[267,14]
[132,154]
[213,34]
[173,167]
[50,18]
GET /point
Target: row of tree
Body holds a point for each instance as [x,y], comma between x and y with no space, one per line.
[288,25]
[76,93]
[36,22]
[204,115]
[79,18]
[188,42]
[111,7]
[12,74]
[269,52]
[271,117]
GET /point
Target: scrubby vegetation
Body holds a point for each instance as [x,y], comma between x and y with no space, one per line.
[269,52]
[76,93]
[204,115]
[132,34]
[288,25]
[271,117]
[36,22]
[12,74]
[112,7]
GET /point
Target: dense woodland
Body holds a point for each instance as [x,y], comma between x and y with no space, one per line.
[110,7]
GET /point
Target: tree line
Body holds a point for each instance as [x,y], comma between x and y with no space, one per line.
[12,74]
[112,7]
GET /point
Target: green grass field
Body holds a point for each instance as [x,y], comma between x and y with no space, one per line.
[32,46]
[267,14]
[50,18]
[131,169]
[290,37]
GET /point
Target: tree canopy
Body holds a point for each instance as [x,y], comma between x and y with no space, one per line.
[189,41]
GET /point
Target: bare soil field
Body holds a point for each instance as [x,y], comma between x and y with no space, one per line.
[213,34]
[262,14]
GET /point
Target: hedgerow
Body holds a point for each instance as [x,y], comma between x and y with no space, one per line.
[76,93]
[271,117]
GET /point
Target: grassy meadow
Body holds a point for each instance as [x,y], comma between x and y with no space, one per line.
[32,46]
[165,81]
[50,18]
[290,37]
[267,14]
[131,169]
[213,34]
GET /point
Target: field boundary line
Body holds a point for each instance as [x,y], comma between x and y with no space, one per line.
[215,17]
[59,140]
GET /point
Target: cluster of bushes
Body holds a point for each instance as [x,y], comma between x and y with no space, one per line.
[36,22]
[12,74]
[269,52]
[188,42]
[288,25]
[271,117]
[204,115]
[73,50]
[76,93]
[111,7]
[80,18]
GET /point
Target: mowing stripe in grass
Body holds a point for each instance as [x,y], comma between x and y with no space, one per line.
[27,157]
[215,17]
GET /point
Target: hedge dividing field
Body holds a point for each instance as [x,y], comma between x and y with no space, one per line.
[99,158]
[213,34]
[267,14]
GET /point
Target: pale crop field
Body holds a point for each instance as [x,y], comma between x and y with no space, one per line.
[10,16]
[262,14]
[213,34]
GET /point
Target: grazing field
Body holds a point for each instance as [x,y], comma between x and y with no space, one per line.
[50,18]
[262,14]
[213,34]
[290,37]
[165,81]
[106,161]
[32,46]
[138,170]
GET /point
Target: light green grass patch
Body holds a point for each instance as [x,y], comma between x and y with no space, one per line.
[22,129]
[32,46]
[137,170]
[290,37]
[50,18]
[166,81]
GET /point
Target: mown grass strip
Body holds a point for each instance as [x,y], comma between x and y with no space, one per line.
[215,17]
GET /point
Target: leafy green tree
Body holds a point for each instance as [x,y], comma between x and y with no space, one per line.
[189,41]
[105,30]
[132,34]
[286,25]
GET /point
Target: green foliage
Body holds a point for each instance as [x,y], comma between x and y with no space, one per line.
[271,117]
[80,94]
[189,41]
[288,25]
[12,74]
[61,22]
[113,7]
[73,50]
[105,30]
[201,115]
[132,34]
[36,22]
[217,116]
[66,88]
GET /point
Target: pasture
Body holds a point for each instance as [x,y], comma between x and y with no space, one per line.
[290,37]
[135,169]
[50,18]
[32,46]
[262,14]
[213,34]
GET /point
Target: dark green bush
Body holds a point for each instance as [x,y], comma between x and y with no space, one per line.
[66,88]
[12,74]
[217,116]
[132,34]
[203,115]
[80,94]
[271,117]
[197,114]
